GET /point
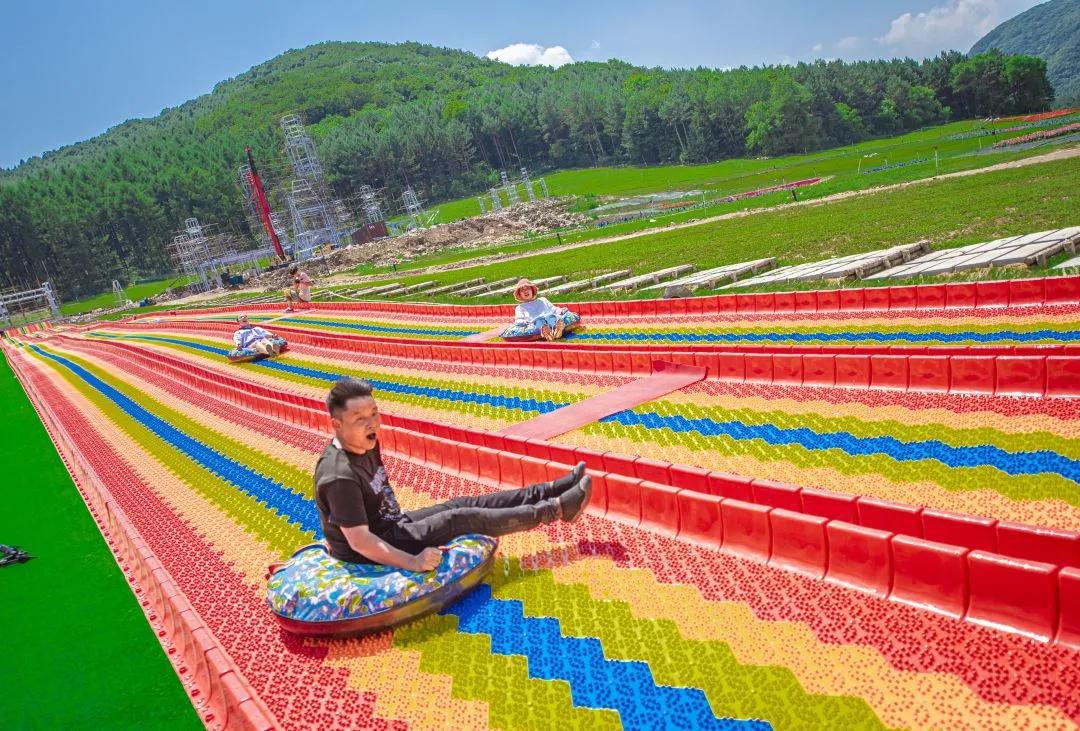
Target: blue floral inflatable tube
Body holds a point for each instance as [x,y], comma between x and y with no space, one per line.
[530,333]
[246,355]
[315,594]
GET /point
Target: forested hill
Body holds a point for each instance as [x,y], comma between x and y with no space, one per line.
[445,121]
[1050,31]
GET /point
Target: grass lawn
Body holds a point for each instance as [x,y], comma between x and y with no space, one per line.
[743,174]
[77,650]
[952,212]
[134,293]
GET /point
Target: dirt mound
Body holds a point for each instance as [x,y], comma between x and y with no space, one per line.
[493,228]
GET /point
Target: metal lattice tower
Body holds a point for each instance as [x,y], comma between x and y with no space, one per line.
[44,292]
[496,203]
[510,188]
[528,184]
[312,219]
[370,205]
[301,149]
[414,207]
[483,204]
[190,252]
[118,293]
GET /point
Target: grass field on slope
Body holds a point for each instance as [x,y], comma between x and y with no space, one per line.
[744,174]
[77,650]
[948,212]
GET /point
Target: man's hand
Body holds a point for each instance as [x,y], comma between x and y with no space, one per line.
[427,559]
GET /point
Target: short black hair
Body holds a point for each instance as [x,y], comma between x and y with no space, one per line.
[343,391]
[293,268]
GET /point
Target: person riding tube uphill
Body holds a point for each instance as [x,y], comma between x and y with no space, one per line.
[300,291]
[360,515]
[252,341]
[536,318]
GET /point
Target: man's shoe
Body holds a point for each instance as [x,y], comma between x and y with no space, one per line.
[555,488]
[573,502]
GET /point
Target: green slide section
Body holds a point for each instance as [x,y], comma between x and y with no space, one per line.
[77,650]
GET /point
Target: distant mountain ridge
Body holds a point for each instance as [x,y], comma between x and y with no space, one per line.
[1050,31]
[445,122]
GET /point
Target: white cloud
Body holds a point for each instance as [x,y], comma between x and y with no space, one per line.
[817,48]
[847,44]
[531,54]
[595,44]
[956,24]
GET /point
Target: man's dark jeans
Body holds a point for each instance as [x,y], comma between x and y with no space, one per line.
[496,514]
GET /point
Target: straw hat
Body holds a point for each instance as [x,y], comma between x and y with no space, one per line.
[522,284]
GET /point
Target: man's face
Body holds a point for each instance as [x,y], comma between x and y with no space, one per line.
[357,426]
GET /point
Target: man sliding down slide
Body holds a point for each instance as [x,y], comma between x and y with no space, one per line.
[361,518]
[253,337]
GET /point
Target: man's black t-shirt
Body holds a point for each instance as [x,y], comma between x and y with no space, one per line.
[351,490]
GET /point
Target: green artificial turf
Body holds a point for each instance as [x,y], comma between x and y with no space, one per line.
[76,651]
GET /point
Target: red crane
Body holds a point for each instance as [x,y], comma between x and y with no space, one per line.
[261,204]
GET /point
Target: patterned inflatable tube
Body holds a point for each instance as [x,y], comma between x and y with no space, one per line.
[246,355]
[315,594]
[523,334]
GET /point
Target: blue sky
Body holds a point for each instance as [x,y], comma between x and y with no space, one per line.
[70,70]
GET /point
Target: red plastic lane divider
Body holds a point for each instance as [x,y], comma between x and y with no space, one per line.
[1009,293]
[222,697]
[665,378]
[482,337]
[1023,375]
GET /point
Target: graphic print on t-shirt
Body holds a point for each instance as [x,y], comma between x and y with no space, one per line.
[389,510]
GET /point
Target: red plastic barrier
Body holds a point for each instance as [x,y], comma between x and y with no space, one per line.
[488,464]
[777,495]
[690,478]
[1039,544]
[1010,593]
[599,501]
[891,517]
[960,530]
[859,557]
[930,575]
[1062,376]
[832,505]
[700,519]
[798,542]
[1068,633]
[731,486]
[746,529]
[624,499]
[659,508]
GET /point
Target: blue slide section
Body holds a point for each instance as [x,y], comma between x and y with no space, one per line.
[595,682]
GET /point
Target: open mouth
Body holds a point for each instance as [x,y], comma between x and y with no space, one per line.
[370,436]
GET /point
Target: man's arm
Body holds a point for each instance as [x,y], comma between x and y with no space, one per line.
[369,545]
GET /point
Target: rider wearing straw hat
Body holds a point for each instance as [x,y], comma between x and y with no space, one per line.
[537,312]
